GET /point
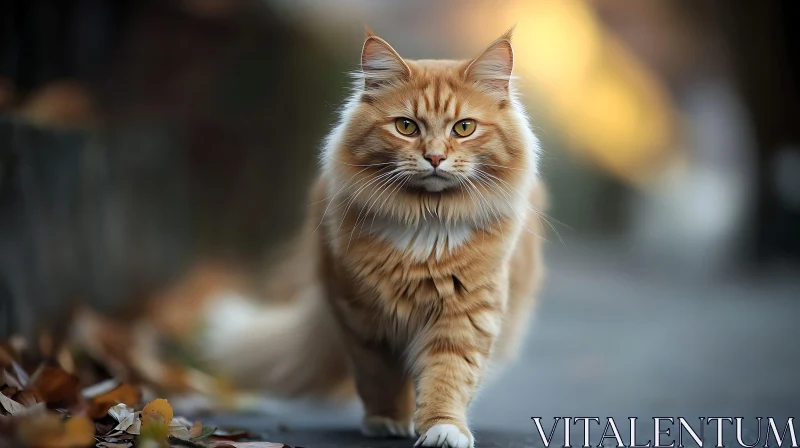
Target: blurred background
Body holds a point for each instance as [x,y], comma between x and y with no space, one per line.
[671,150]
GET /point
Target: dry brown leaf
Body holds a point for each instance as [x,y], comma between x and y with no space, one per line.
[196,430]
[128,419]
[125,393]
[55,385]
[11,406]
[227,444]
[28,398]
[50,431]
[9,391]
[178,429]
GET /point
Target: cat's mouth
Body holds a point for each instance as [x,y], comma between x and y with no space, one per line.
[437,175]
[435,181]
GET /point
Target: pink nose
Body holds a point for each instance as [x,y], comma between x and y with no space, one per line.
[434,159]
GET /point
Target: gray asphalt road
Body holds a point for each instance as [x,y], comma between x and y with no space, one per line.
[614,337]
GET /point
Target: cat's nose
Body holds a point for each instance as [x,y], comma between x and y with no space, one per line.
[434,159]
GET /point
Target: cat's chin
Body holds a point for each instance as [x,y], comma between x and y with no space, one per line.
[435,188]
[434,183]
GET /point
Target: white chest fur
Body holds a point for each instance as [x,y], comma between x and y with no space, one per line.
[428,237]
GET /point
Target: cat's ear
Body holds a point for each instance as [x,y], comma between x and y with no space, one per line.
[380,64]
[492,69]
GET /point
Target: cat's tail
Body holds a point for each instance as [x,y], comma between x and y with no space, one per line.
[286,342]
[284,349]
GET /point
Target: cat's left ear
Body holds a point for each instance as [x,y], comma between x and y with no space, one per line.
[492,69]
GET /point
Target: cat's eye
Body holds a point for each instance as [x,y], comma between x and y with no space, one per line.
[405,126]
[464,128]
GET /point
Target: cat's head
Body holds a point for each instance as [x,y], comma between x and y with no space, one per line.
[442,130]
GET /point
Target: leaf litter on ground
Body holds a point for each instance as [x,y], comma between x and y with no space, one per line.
[50,405]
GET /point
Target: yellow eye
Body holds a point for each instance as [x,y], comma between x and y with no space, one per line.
[405,126]
[464,128]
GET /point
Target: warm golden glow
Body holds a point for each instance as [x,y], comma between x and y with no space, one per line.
[608,106]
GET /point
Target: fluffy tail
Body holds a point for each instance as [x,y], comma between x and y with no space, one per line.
[284,350]
[286,344]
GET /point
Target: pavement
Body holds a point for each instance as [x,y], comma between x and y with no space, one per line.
[614,337]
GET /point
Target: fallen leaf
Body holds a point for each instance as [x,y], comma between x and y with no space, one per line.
[11,406]
[28,398]
[55,385]
[9,391]
[128,419]
[207,432]
[156,418]
[103,429]
[196,430]
[103,387]
[51,431]
[125,393]
[178,429]
[158,409]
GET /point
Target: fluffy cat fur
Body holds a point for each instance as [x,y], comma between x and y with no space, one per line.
[419,283]
[430,246]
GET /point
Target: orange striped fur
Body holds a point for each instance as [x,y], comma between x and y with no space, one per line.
[430,272]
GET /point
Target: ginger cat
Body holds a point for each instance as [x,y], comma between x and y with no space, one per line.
[429,233]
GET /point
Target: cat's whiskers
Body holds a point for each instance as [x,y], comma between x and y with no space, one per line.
[503,167]
[506,196]
[391,196]
[333,197]
[465,187]
[382,188]
[487,204]
[530,206]
[354,196]
[539,214]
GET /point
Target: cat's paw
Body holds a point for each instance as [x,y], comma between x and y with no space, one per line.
[377,426]
[446,435]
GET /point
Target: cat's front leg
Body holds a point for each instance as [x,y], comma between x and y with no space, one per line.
[448,366]
[385,390]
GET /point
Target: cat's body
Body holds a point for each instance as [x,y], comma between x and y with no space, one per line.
[430,241]
[419,262]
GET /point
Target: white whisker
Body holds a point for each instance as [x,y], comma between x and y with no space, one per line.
[353,196]
[332,197]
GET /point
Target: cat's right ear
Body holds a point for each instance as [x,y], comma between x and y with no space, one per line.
[381,65]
